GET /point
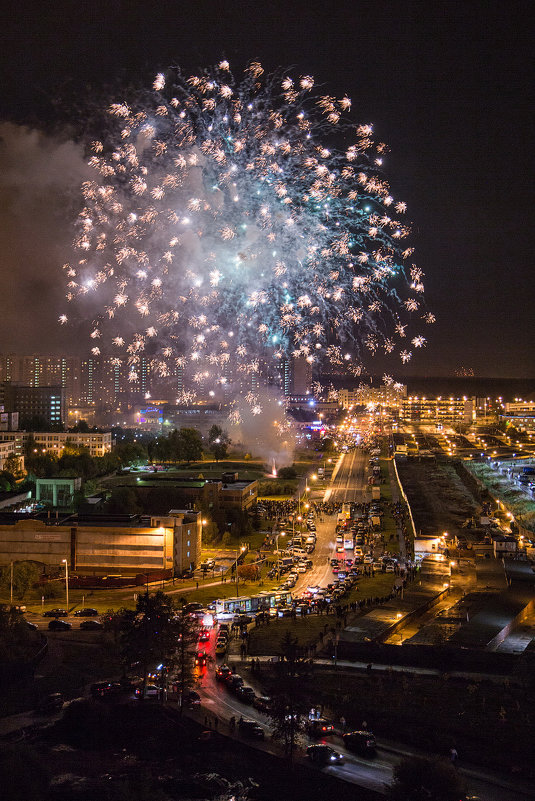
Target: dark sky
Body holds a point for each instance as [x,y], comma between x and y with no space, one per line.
[448,85]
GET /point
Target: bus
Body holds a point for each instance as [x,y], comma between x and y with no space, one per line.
[228,607]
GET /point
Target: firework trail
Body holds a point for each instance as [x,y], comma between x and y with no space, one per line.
[227,229]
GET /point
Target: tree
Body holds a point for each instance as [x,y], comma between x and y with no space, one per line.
[248,572]
[23,774]
[287,472]
[190,445]
[424,779]
[12,465]
[124,501]
[154,633]
[218,442]
[25,575]
[288,707]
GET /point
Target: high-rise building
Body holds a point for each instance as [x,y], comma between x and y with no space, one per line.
[43,371]
[46,403]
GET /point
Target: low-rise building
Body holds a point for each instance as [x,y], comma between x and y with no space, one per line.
[97,442]
[438,410]
[196,493]
[121,545]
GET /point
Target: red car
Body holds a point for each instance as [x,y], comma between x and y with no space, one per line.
[204,635]
[201,658]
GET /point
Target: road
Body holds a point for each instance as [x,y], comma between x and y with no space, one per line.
[375,774]
[350,481]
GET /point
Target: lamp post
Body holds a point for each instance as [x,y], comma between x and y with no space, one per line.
[66,582]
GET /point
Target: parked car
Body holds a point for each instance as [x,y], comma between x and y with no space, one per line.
[322,754]
[192,698]
[360,742]
[245,694]
[55,613]
[91,625]
[86,612]
[59,625]
[262,703]
[31,626]
[250,728]
[49,704]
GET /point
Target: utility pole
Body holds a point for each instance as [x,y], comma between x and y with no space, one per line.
[66,583]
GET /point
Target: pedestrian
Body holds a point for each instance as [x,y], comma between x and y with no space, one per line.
[454,756]
[343,724]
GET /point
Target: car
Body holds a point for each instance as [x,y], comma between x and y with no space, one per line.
[319,727]
[245,694]
[208,565]
[233,682]
[105,689]
[201,658]
[49,704]
[220,648]
[86,612]
[250,728]
[204,635]
[368,560]
[194,606]
[339,549]
[221,672]
[151,691]
[360,742]
[59,625]
[321,754]
[390,568]
[192,698]
[55,613]
[31,626]
[262,703]
[91,625]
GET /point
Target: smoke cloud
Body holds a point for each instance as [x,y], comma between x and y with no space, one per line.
[40,177]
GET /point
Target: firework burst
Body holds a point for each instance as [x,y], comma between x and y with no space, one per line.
[234,224]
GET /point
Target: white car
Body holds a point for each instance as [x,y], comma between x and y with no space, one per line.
[368,560]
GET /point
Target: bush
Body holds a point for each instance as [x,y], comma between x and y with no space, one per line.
[288,472]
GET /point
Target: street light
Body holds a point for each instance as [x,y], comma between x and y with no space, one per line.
[66,582]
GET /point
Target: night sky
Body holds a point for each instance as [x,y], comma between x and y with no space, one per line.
[448,85]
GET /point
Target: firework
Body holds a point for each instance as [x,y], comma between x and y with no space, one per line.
[233,224]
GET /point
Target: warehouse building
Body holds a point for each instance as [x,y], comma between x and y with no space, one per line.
[119,544]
